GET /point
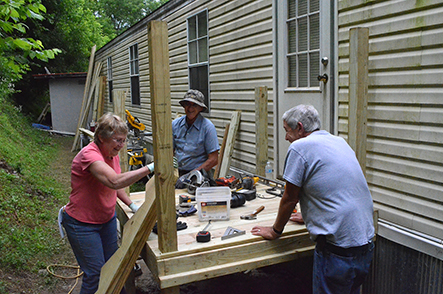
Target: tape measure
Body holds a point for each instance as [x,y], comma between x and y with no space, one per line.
[204,236]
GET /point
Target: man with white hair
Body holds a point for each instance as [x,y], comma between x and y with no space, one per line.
[322,171]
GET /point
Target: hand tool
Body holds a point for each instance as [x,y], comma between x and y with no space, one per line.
[185,198]
[204,236]
[227,181]
[186,211]
[253,215]
[232,232]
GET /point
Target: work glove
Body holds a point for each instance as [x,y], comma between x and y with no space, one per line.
[151,167]
[174,163]
[134,207]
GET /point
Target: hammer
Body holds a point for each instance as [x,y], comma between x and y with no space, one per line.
[253,215]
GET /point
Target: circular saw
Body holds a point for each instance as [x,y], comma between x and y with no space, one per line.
[195,180]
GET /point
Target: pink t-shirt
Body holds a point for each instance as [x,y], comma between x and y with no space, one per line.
[91,201]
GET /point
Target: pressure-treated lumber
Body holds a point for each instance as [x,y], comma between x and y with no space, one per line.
[222,152]
[195,261]
[232,134]
[162,134]
[261,129]
[85,95]
[84,113]
[358,92]
[101,97]
[119,110]
[87,132]
[135,233]
[97,110]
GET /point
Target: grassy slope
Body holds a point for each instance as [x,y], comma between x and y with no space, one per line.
[33,186]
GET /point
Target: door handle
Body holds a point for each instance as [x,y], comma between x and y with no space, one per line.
[323,78]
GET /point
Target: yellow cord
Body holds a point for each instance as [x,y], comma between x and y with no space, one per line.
[78,275]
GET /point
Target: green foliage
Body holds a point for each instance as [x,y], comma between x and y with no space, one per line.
[16,49]
[120,15]
[29,194]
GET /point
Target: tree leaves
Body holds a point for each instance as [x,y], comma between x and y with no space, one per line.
[14,47]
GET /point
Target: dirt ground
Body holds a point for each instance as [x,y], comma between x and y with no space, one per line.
[291,277]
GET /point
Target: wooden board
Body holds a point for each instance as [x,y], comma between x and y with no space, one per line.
[85,95]
[229,148]
[261,129]
[195,261]
[117,269]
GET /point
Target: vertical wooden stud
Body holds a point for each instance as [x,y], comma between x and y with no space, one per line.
[358,92]
[261,129]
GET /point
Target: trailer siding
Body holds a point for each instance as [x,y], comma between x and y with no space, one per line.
[405,107]
[240,59]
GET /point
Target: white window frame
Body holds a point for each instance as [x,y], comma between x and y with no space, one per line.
[134,74]
[198,63]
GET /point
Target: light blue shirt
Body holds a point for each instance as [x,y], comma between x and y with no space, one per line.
[334,198]
[193,144]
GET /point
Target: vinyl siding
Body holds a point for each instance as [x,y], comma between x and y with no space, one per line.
[405,107]
[240,59]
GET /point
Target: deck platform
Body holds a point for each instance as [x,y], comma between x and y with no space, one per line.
[194,261]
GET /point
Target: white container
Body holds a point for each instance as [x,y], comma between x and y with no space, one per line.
[213,203]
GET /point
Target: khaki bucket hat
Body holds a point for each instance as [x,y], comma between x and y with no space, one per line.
[194,96]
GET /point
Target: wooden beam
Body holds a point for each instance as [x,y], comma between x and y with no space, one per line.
[358,92]
[101,97]
[85,95]
[84,113]
[261,129]
[119,109]
[232,134]
[162,134]
[87,132]
[222,151]
[135,233]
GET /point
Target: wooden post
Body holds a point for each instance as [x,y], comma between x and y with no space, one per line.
[101,97]
[358,92]
[261,129]
[119,109]
[85,95]
[229,148]
[162,134]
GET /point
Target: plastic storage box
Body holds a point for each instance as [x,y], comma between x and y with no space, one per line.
[213,203]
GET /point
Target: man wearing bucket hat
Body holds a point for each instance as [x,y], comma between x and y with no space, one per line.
[195,138]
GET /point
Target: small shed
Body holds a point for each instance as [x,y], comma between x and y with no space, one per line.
[66,95]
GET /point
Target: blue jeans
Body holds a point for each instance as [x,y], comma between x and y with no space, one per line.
[335,274]
[93,245]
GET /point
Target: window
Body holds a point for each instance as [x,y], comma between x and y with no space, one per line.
[303,55]
[110,86]
[134,74]
[198,53]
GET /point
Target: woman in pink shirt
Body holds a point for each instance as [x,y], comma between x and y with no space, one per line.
[89,218]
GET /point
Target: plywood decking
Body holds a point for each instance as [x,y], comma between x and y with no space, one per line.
[200,261]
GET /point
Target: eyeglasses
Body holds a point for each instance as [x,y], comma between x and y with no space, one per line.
[188,104]
[120,141]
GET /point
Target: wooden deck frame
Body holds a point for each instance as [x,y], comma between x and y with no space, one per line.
[175,258]
[194,261]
